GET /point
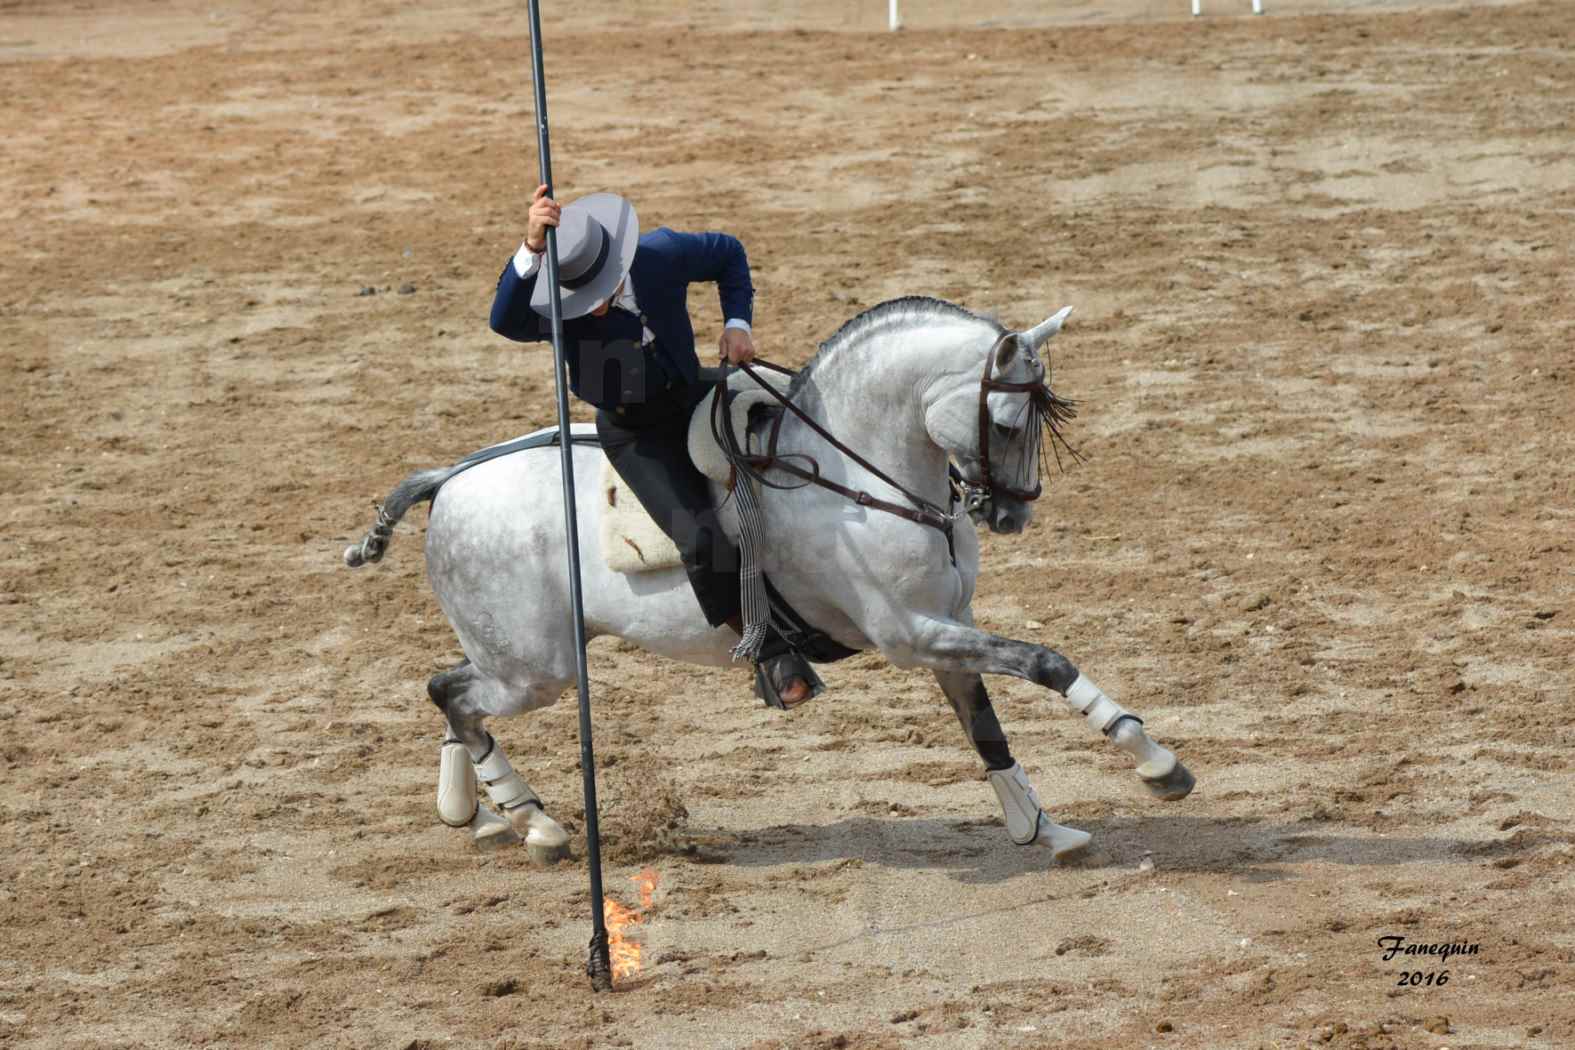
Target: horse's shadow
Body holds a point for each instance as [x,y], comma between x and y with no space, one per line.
[978,851]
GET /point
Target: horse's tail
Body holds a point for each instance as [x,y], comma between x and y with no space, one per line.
[415,488]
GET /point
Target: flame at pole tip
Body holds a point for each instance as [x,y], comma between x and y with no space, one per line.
[623,950]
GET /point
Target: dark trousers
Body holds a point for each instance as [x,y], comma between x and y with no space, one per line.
[648,446]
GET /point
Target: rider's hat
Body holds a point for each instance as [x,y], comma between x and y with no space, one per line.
[597,236]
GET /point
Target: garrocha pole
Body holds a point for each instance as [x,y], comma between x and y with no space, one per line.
[598,965]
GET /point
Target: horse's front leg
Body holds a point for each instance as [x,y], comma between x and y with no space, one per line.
[951,646]
[1026,820]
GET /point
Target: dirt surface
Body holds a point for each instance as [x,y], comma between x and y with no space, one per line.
[1323,540]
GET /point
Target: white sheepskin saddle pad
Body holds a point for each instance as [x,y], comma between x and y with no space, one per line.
[631,540]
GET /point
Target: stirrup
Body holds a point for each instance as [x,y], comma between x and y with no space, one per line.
[775,672]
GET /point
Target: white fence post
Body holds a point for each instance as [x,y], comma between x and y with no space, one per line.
[896,22]
[1197,7]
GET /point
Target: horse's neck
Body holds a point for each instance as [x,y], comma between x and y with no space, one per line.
[872,397]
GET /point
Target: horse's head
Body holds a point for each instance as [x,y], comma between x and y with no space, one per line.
[991,416]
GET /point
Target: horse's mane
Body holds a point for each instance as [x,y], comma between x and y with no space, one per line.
[908,309]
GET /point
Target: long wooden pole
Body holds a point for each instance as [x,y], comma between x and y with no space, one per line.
[598,965]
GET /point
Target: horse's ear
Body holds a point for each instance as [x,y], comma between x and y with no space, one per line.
[1008,351]
[1040,334]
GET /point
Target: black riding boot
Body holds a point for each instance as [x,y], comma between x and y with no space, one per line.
[652,457]
[783,678]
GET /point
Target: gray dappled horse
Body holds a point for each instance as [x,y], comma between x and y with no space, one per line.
[908,384]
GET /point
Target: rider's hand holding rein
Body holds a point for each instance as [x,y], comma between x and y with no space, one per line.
[544,212]
[737,346]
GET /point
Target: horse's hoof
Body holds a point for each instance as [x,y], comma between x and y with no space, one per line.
[491,832]
[1064,842]
[545,839]
[1173,786]
[503,838]
[547,853]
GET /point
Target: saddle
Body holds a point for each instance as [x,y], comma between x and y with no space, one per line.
[744,396]
[631,541]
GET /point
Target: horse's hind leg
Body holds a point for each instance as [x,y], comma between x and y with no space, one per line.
[457,803]
[470,756]
[1026,820]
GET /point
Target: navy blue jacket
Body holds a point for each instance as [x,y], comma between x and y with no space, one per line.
[607,365]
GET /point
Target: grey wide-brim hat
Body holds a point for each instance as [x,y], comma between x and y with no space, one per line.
[597,238]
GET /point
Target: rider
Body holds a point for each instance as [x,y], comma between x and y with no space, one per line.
[634,360]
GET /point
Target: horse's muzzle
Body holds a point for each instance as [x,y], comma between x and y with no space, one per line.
[1006,515]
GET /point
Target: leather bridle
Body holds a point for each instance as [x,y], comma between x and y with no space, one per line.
[988,386]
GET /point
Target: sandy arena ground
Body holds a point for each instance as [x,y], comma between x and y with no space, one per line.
[1323,540]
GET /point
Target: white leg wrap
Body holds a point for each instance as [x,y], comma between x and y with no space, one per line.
[1105,715]
[504,786]
[1025,818]
[456,787]
[1019,803]
[1091,702]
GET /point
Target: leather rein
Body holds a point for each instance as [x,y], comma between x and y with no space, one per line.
[922,511]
